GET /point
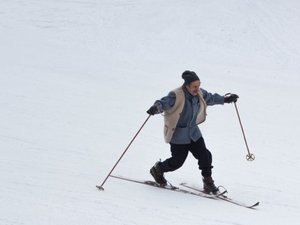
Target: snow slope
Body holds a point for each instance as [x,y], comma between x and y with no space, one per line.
[76,78]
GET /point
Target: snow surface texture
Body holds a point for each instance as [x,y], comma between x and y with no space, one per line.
[76,78]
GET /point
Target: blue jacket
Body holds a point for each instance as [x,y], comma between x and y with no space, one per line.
[186,128]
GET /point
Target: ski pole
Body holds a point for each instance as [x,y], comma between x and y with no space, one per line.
[101,186]
[249,156]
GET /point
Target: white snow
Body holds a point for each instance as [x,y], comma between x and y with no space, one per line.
[76,78]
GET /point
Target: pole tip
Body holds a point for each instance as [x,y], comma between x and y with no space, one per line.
[250,157]
[100,188]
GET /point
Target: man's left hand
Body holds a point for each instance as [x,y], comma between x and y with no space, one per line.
[230,98]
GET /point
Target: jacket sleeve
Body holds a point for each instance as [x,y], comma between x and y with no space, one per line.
[212,99]
[166,102]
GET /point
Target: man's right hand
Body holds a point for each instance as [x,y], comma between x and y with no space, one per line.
[153,110]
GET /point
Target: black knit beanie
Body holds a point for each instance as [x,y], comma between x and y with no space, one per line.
[189,77]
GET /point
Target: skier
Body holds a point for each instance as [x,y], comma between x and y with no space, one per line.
[184,108]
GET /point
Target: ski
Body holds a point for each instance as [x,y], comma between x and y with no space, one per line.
[222,192]
[224,198]
[168,187]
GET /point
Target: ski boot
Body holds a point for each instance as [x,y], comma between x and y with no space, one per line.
[158,175]
[209,186]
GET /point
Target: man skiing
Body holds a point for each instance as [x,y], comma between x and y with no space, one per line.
[184,108]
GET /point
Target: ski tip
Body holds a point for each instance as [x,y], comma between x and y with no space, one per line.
[100,188]
[254,205]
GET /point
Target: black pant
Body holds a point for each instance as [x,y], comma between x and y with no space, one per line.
[180,153]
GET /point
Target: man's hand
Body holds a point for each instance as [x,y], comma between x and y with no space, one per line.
[230,98]
[153,110]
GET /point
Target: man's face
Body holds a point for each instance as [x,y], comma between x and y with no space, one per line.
[193,87]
